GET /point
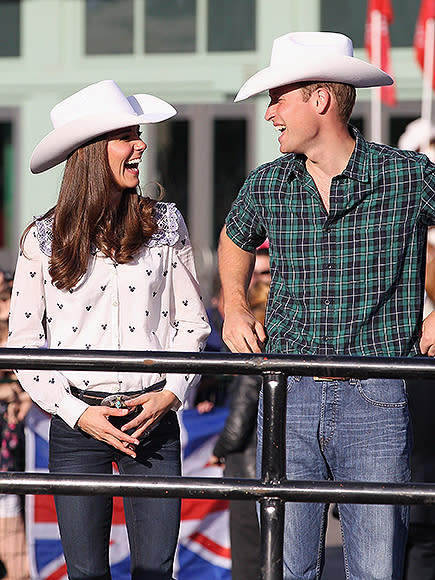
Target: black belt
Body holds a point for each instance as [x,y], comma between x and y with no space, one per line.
[95,397]
[331,378]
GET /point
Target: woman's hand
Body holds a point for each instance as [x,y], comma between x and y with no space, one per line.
[154,406]
[95,422]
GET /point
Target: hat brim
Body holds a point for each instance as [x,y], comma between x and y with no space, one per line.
[61,142]
[333,68]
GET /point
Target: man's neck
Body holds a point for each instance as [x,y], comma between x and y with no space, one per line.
[330,154]
[327,158]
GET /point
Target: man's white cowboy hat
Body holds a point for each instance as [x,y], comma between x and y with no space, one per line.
[313,56]
[91,112]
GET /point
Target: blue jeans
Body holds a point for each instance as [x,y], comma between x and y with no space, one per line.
[352,430]
[85,521]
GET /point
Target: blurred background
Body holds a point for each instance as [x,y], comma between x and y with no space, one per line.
[194,53]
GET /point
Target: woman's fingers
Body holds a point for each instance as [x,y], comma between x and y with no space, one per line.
[154,406]
[95,422]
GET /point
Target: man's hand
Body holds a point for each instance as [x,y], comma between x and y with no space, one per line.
[154,406]
[427,341]
[242,332]
[94,421]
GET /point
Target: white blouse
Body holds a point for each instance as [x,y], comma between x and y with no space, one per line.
[151,303]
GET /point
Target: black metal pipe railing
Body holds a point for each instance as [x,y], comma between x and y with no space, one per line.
[214,363]
[273,490]
[273,472]
[217,488]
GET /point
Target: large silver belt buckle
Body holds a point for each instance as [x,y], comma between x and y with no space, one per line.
[116,401]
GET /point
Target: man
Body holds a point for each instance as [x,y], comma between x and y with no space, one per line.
[346,222]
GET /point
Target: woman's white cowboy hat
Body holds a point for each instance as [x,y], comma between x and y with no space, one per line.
[313,56]
[91,112]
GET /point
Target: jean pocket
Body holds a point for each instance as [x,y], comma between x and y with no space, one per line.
[292,381]
[384,392]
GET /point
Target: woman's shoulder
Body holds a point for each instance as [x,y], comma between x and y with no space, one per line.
[43,231]
[37,237]
[171,228]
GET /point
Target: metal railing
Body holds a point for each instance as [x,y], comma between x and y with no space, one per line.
[273,490]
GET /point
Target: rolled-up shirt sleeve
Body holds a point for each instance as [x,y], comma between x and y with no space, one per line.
[244,224]
[49,389]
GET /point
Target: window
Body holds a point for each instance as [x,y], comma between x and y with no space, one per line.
[402,28]
[172,161]
[170,25]
[231,25]
[349,17]
[109,26]
[10,28]
[6,186]
[229,167]
[398,126]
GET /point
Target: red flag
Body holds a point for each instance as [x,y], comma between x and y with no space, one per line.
[427,12]
[384,11]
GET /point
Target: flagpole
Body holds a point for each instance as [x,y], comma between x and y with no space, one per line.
[376,105]
[427,96]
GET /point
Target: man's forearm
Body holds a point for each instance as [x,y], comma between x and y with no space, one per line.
[235,270]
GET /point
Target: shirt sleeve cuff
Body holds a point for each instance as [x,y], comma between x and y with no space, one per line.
[70,409]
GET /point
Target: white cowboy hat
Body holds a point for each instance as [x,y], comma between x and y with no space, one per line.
[417,134]
[93,111]
[313,56]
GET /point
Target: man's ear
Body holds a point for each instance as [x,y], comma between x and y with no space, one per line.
[322,100]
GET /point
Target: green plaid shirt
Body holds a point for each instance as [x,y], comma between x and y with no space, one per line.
[350,282]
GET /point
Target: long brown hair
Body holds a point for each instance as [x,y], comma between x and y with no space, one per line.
[84,217]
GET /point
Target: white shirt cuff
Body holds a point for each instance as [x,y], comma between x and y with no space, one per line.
[70,409]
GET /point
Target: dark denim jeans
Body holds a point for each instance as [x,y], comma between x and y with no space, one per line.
[85,522]
[355,430]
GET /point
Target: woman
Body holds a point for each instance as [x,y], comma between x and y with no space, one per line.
[108,269]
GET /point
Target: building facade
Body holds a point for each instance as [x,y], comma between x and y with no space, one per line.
[194,53]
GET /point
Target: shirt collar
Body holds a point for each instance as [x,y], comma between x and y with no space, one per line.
[357,167]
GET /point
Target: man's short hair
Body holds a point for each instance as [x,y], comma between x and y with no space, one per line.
[344,94]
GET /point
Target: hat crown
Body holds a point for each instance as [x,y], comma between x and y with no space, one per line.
[296,45]
[101,97]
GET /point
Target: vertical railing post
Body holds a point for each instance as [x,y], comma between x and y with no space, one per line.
[273,471]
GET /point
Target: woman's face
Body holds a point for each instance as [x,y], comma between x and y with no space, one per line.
[124,152]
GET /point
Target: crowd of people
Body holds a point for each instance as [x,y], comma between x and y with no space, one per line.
[331,236]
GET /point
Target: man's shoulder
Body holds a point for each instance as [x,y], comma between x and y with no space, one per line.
[388,153]
[276,169]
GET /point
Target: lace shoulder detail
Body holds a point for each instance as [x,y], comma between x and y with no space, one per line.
[44,233]
[168,221]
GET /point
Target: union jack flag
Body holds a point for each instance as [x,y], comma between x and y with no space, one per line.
[204,546]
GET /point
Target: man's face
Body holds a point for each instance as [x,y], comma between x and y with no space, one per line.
[293,118]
